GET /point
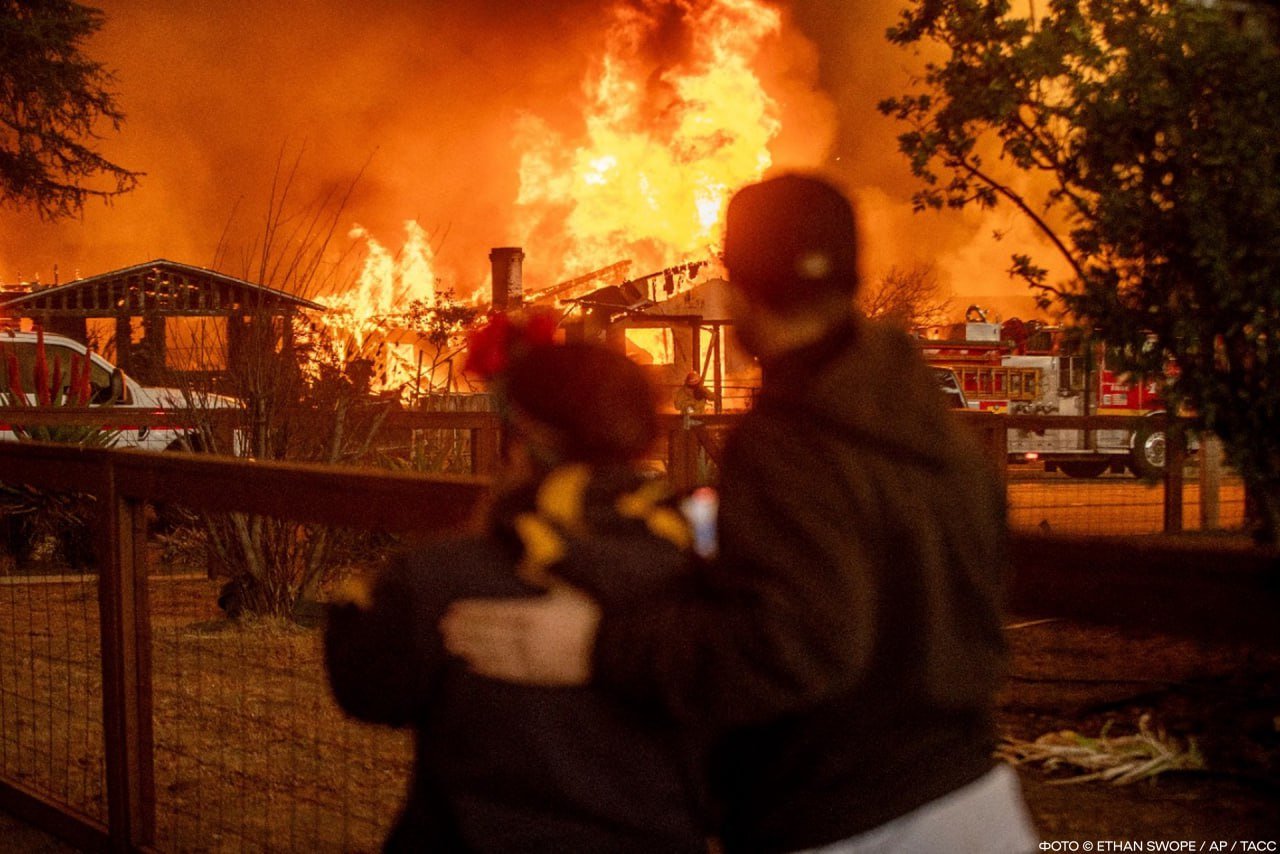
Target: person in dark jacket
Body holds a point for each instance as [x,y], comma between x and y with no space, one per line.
[500,767]
[846,643]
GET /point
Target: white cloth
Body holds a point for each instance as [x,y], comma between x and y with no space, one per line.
[988,816]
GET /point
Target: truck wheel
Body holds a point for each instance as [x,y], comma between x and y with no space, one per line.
[1083,468]
[1147,458]
[190,442]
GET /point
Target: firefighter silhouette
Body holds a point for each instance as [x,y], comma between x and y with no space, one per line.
[692,396]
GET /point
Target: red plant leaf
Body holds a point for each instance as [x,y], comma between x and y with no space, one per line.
[17,395]
[80,380]
[55,382]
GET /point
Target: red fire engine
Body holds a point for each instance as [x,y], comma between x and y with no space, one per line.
[1019,367]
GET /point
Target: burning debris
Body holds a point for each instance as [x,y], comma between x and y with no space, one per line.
[676,119]
[398,318]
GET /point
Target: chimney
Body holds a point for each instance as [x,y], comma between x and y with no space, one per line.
[508,287]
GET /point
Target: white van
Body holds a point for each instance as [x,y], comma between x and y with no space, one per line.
[109,386]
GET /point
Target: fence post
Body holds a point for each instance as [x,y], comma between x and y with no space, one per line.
[1175,460]
[485,448]
[997,442]
[1210,481]
[682,459]
[991,430]
[126,669]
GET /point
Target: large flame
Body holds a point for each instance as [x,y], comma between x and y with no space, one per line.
[676,120]
[362,322]
[666,141]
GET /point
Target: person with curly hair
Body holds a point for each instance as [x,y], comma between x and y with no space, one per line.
[500,767]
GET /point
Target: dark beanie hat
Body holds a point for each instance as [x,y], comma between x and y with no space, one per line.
[599,403]
[790,239]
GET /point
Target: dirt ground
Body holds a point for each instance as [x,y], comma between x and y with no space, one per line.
[1225,697]
[18,837]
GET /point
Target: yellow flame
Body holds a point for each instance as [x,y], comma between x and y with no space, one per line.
[665,144]
[362,320]
[664,147]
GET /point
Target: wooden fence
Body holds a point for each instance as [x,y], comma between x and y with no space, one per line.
[684,445]
[1200,588]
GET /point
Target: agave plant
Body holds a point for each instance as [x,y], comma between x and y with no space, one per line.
[50,391]
[34,518]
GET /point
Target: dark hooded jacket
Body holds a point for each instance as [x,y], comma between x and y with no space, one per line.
[500,767]
[846,642]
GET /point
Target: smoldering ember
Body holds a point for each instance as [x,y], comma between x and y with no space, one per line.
[244,246]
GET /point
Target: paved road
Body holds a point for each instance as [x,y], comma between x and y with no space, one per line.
[1111,504]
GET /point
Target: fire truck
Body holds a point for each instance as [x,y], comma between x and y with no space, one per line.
[1030,368]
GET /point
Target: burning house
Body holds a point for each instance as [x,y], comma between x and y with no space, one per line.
[163,322]
[672,325]
[676,106]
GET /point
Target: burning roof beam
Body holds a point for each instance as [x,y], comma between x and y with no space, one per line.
[613,272]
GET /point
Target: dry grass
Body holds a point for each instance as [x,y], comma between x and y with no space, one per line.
[251,753]
[1115,759]
[50,692]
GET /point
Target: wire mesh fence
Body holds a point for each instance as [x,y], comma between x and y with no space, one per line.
[131,701]
[247,750]
[51,730]
[1045,499]
[1117,503]
[251,753]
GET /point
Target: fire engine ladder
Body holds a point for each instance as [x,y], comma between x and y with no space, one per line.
[998,382]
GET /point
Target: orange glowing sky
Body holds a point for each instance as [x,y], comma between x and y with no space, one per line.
[430,95]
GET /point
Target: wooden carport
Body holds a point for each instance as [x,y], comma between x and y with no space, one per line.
[142,298]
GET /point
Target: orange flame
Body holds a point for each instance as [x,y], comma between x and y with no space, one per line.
[361,321]
[676,120]
[664,146]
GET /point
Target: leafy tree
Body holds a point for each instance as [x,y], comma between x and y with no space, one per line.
[438,324]
[910,297]
[1142,137]
[52,99]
